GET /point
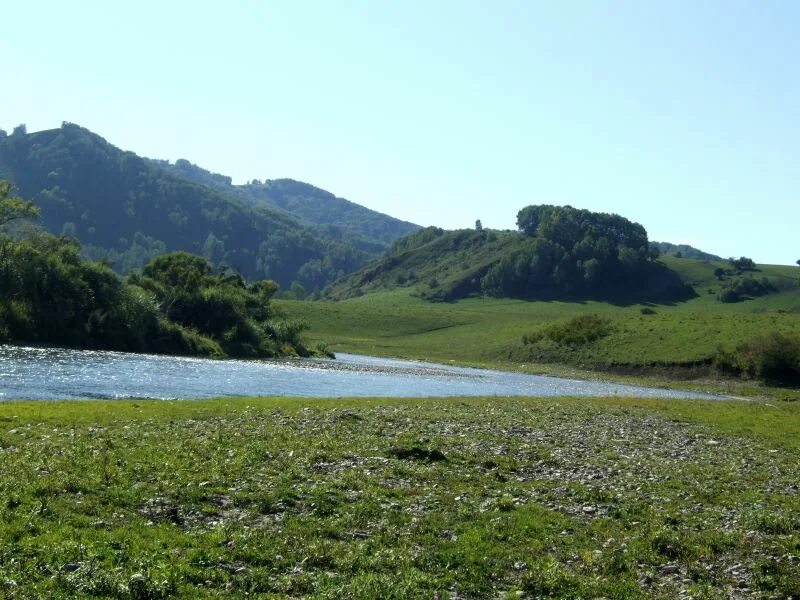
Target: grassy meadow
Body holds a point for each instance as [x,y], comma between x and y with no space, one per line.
[409,498]
[464,497]
[670,340]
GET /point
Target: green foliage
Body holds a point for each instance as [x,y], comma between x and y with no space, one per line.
[577,331]
[127,258]
[234,314]
[742,264]
[416,239]
[179,271]
[13,208]
[741,288]
[685,251]
[571,250]
[774,356]
[177,304]
[342,220]
[53,296]
[127,210]
[452,261]
[605,256]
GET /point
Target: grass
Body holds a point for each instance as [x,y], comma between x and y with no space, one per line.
[678,339]
[407,498]
[482,498]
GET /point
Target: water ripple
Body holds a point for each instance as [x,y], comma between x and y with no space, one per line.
[34,373]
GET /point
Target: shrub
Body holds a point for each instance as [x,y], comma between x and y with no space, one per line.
[647,311]
[774,356]
[574,332]
[743,263]
[740,288]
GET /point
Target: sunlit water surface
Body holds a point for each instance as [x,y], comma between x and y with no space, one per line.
[62,374]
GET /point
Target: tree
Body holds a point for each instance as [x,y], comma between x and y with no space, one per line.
[179,274]
[743,263]
[297,290]
[798,262]
[478,225]
[719,272]
[13,208]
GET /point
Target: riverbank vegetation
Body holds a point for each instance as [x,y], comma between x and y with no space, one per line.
[474,497]
[177,305]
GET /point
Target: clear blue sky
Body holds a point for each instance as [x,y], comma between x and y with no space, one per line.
[681,115]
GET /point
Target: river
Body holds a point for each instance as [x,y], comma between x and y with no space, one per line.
[32,373]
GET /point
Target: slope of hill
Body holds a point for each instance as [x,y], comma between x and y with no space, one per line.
[369,230]
[127,210]
[683,251]
[560,252]
[673,339]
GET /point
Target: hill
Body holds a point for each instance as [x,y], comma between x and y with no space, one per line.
[369,230]
[683,251]
[126,210]
[559,252]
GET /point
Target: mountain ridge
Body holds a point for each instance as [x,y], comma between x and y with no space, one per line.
[307,202]
[127,209]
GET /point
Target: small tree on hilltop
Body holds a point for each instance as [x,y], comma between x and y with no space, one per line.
[479,227]
[743,263]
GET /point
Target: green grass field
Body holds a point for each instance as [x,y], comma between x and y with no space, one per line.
[488,332]
[406,498]
[466,497]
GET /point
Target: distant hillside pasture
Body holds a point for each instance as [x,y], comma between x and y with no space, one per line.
[675,338]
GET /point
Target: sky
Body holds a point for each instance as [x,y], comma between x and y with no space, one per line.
[681,115]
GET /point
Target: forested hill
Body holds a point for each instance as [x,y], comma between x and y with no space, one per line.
[308,203]
[126,210]
[559,252]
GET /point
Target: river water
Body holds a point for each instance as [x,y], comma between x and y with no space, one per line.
[63,374]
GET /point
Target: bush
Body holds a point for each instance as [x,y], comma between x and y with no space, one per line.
[771,357]
[173,338]
[575,332]
[738,289]
[743,263]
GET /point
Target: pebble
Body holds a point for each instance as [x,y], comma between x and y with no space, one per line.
[669,570]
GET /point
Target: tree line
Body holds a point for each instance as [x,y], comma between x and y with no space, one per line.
[178,304]
[570,250]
